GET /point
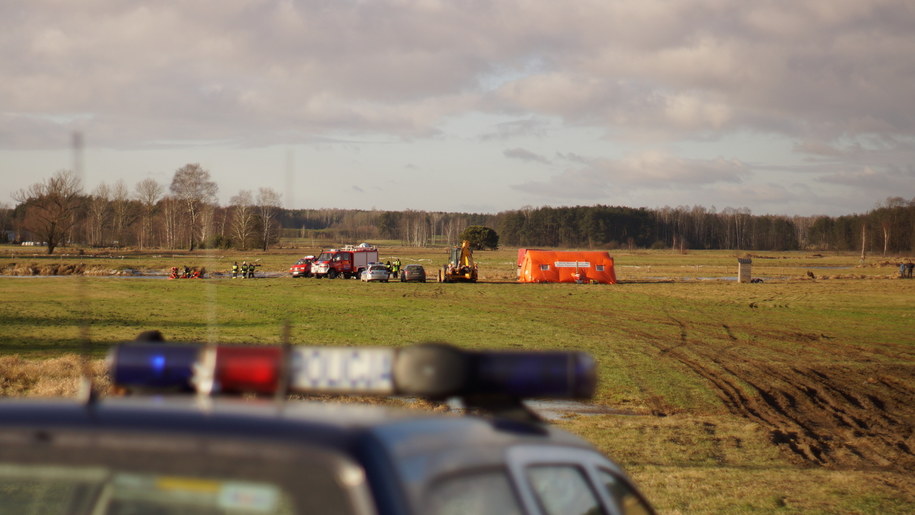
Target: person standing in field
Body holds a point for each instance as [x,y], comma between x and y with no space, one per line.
[235,270]
[902,270]
[244,269]
[395,267]
[908,269]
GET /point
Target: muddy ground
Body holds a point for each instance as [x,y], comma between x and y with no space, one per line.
[855,414]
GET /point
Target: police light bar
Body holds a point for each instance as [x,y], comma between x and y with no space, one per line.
[431,370]
[154,366]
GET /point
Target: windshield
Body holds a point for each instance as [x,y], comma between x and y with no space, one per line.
[178,475]
[325,256]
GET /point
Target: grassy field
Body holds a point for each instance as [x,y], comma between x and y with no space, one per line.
[794,395]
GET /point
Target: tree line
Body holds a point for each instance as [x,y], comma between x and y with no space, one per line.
[58,212]
[186,215]
[887,229]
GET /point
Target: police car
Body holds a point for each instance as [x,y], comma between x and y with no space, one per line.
[210,429]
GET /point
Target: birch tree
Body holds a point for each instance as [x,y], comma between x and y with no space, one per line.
[268,206]
[243,218]
[147,192]
[192,186]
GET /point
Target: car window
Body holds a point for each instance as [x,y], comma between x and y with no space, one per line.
[119,473]
[63,489]
[628,502]
[481,493]
[563,490]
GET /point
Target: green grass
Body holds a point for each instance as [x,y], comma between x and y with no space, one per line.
[682,445]
[625,326]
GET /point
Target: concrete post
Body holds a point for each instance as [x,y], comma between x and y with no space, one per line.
[744,266]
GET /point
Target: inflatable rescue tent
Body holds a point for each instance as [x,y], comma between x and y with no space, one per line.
[563,266]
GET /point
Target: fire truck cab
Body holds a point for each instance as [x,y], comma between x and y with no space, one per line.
[347,262]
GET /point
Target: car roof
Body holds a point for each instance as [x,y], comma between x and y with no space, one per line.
[333,424]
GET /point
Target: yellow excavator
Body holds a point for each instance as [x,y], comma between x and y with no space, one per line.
[461,268]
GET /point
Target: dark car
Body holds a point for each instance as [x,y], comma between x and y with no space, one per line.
[411,273]
[208,454]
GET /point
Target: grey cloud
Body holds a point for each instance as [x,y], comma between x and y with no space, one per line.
[261,73]
[516,129]
[525,155]
[573,157]
[869,180]
[651,170]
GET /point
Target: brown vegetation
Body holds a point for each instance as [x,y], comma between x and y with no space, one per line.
[24,269]
[55,377]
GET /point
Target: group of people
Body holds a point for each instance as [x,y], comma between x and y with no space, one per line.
[393,267]
[247,270]
[187,273]
[905,269]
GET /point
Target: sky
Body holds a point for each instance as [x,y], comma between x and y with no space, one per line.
[783,107]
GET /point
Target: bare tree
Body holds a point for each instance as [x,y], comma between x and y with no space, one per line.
[192,186]
[268,205]
[51,207]
[122,213]
[97,213]
[170,208]
[148,192]
[207,221]
[6,223]
[243,218]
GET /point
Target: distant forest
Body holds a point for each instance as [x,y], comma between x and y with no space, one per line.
[58,212]
[887,229]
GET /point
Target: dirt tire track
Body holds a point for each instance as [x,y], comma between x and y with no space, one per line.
[833,416]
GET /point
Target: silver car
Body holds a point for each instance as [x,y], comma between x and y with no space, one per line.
[376,272]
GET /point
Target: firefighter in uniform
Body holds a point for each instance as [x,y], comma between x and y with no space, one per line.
[244,269]
[395,267]
[235,270]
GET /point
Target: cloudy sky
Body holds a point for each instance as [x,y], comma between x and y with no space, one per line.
[788,107]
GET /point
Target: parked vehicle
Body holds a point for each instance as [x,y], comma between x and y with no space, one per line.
[209,450]
[376,272]
[302,267]
[411,273]
[347,262]
[461,267]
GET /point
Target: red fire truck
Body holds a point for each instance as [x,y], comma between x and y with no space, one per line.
[346,262]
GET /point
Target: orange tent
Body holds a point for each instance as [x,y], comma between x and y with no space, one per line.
[559,266]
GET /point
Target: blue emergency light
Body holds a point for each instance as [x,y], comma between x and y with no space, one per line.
[156,366]
[533,374]
[430,370]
